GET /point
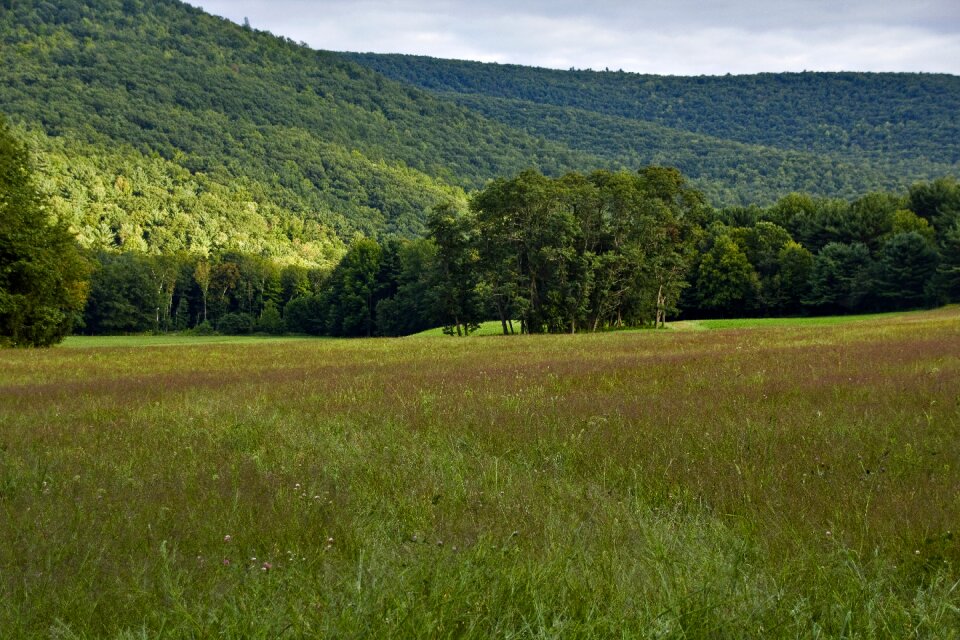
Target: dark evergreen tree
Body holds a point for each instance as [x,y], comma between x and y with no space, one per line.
[413,307]
[791,284]
[947,279]
[123,296]
[270,320]
[42,275]
[306,314]
[906,265]
[841,279]
[352,296]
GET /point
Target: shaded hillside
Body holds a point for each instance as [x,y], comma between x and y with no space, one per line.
[728,172]
[744,138]
[908,115]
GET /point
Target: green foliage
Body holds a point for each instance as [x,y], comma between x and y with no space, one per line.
[413,306]
[42,275]
[162,129]
[575,253]
[726,281]
[320,145]
[454,269]
[354,291]
[791,284]
[270,320]
[938,202]
[306,314]
[236,324]
[762,244]
[124,298]
[203,329]
[585,252]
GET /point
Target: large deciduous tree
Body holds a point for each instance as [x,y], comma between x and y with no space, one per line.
[42,275]
[726,281]
[454,269]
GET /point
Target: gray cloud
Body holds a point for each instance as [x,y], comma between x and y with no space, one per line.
[680,37]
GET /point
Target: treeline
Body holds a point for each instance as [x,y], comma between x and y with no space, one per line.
[569,254]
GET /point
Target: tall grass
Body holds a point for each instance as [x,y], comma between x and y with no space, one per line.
[790,482]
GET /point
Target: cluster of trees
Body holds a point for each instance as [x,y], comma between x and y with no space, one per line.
[375,289]
[539,254]
[617,249]
[576,253]
[880,252]
[232,293]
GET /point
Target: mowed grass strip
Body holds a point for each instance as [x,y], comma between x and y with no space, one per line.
[794,481]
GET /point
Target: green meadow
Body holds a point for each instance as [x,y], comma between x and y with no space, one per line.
[756,480]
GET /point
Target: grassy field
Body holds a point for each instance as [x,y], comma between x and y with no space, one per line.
[795,482]
[171,340]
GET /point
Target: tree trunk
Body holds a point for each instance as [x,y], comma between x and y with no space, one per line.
[503,315]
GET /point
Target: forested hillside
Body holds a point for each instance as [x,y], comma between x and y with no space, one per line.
[320,139]
[742,138]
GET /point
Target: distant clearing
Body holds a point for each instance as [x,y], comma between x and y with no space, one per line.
[814,321]
[493,328]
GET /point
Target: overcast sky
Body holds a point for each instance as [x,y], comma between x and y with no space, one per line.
[681,37]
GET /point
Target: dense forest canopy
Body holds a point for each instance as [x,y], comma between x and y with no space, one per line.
[903,114]
[348,143]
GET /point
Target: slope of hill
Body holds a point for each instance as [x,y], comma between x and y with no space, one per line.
[323,138]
